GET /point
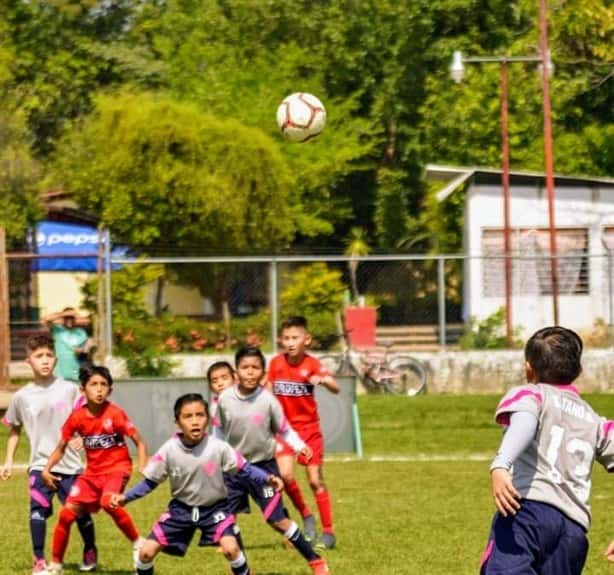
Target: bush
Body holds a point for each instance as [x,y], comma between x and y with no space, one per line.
[315,292]
[488,333]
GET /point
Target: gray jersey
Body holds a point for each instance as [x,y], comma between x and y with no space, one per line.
[250,423]
[195,472]
[42,410]
[556,467]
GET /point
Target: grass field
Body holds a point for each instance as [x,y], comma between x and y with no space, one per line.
[418,502]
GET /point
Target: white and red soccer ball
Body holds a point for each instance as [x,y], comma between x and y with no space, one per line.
[301,116]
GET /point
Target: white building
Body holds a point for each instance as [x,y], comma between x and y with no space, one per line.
[584,224]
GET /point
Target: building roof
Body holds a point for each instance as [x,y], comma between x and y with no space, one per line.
[60,207]
[454,176]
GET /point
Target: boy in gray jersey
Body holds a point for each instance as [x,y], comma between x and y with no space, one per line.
[41,407]
[194,463]
[541,475]
[249,417]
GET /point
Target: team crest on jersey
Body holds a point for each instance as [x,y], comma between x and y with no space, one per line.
[257,418]
[107,424]
[210,468]
[74,491]
[304,373]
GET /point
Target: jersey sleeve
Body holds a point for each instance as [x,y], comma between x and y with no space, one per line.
[12,417]
[279,423]
[231,460]
[605,445]
[522,398]
[157,466]
[70,426]
[317,368]
[124,424]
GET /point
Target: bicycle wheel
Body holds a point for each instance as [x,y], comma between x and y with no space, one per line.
[409,376]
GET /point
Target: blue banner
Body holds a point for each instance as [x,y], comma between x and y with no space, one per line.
[57,239]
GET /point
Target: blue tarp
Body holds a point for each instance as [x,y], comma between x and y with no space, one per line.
[56,239]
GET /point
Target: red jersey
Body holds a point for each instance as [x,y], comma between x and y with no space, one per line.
[103,438]
[292,388]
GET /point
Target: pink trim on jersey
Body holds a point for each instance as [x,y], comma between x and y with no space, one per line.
[39,498]
[522,393]
[608,427]
[240,460]
[272,505]
[157,457]
[569,387]
[80,402]
[6,422]
[487,553]
[219,530]
[157,531]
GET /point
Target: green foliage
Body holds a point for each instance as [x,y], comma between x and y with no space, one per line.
[160,172]
[315,292]
[488,333]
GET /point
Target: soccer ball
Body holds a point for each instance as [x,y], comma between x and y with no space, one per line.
[300,117]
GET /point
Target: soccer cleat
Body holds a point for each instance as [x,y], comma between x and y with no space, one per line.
[326,541]
[319,567]
[54,569]
[90,560]
[39,567]
[309,528]
[136,548]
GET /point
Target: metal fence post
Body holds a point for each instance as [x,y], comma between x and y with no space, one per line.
[441,298]
[108,332]
[610,293]
[273,303]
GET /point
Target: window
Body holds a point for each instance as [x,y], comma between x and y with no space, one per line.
[531,264]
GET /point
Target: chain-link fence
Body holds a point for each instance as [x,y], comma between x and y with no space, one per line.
[214,304]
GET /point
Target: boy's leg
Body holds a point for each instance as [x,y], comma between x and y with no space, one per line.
[61,534]
[147,553]
[235,555]
[569,554]
[40,509]
[85,524]
[111,484]
[285,461]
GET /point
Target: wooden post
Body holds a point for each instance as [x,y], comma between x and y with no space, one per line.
[99,321]
[5,338]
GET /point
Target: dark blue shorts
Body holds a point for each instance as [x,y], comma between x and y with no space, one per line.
[538,540]
[176,526]
[240,488]
[41,496]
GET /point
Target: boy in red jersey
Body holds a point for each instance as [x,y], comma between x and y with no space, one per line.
[102,425]
[293,376]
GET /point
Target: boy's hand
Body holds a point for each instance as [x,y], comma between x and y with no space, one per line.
[315,379]
[504,493]
[117,500]
[609,552]
[76,443]
[6,471]
[306,453]
[50,479]
[276,482]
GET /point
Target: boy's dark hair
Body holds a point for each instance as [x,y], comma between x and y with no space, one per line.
[294,321]
[555,354]
[189,398]
[219,365]
[35,342]
[249,351]
[89,370]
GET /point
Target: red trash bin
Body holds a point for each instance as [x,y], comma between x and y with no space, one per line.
[360,324]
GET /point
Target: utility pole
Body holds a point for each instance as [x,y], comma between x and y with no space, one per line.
[5,339]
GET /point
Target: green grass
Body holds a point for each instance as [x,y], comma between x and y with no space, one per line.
[392,517]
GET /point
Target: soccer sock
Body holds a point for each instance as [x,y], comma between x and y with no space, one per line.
[86,528]
[326,514]
[61,534]
[239,565]
[296,496]
[38,529]
[237,534]
[124,522]
[294,535]
[144,568]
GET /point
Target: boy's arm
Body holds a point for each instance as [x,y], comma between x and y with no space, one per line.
[328,381]
[11,447]
[53,460]
[142,488]
[141,449]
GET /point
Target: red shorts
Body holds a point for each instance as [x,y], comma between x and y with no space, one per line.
[88,490]
[311,434]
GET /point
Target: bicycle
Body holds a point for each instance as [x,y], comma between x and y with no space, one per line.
[377,371]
